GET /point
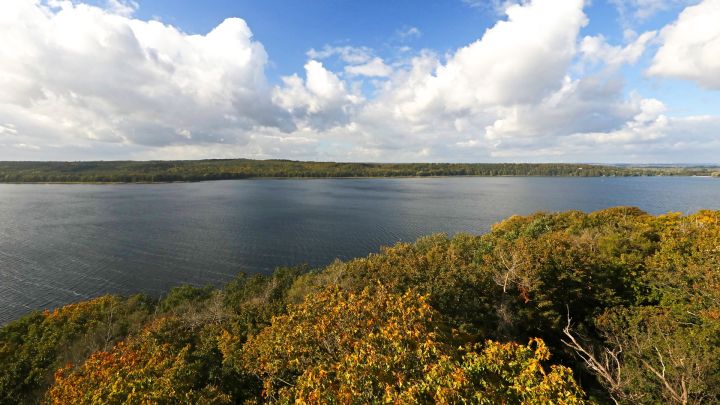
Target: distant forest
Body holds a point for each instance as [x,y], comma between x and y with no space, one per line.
[221,169]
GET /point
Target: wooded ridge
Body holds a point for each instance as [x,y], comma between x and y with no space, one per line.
[200,170]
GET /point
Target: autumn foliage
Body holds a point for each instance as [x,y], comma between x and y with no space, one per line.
[143,370]
[611,306]
[375,346]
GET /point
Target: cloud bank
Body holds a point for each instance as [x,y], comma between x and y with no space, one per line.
[84,82]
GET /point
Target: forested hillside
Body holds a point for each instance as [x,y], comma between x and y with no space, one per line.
[199,170]
[615,305]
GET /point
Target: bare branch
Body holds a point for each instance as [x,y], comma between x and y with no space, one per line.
[607,368]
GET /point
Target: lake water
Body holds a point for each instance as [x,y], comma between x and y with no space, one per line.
[64,243]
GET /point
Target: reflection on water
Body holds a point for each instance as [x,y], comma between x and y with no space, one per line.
[63,243]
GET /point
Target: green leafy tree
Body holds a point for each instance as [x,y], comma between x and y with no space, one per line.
[32,347]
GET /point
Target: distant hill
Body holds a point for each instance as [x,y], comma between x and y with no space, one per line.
[221,169]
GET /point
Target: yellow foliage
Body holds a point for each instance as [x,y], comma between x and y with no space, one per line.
[375,346]
[139,372]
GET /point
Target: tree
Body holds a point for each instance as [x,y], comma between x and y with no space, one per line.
[376,346]
[33,347]
[161,365]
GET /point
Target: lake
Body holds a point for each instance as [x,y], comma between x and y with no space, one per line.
[64,243]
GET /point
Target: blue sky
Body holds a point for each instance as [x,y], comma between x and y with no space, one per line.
[402,80]
[288,29]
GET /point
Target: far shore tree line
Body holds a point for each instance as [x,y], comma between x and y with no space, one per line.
[219,169]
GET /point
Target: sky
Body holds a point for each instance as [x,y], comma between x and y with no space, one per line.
[601,81]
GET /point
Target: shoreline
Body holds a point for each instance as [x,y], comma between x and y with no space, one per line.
[111,183]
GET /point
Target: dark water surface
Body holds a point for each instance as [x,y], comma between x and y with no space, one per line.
[64,243]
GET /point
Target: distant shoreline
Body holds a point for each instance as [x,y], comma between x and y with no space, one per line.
[190,171]
[119,183]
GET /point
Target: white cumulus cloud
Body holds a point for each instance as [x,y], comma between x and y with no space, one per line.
[597,49]
[691,46]
[88,82]
[520,59]
[74,73]
[321,100]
